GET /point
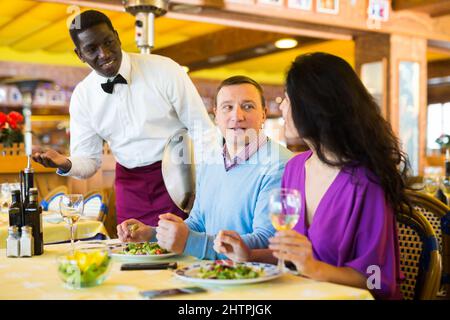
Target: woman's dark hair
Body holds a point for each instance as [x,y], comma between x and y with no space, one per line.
[241,80]
[86,20]
[332,109]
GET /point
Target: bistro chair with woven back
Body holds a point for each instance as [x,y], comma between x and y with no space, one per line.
[420,260]
[96,204]
[438,214]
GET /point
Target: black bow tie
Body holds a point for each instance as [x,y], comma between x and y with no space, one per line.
[109,86]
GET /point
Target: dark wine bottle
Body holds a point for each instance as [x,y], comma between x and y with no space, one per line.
[441,196]
[15,210]
[33,218]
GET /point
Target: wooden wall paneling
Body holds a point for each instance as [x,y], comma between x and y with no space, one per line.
[405,48]
[394,49]
[374,47]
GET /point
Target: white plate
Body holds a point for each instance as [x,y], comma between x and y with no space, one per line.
[116,253]
[190,274]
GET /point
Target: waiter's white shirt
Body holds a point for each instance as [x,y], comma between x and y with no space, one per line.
[137,119]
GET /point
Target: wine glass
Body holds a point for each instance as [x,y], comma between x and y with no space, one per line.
[71,208]
[284,206]
[431,185]
[5,197]
[445,185]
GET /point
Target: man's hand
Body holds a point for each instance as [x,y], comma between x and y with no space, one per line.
[172,233]
[230,243]
[51,159]
[133,230]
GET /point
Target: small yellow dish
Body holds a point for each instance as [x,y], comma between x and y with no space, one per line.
[87,266]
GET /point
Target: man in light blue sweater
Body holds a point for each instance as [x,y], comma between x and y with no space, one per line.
[232,187]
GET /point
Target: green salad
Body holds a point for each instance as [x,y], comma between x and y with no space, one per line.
[225,272]
[145,248]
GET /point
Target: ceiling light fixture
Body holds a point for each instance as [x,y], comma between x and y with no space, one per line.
[217,59]
[286,43]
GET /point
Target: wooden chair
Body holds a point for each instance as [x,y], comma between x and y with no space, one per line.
[438,214]
[51,200]
[420,261]
[96,204]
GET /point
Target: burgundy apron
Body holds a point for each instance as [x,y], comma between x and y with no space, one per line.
[142,195]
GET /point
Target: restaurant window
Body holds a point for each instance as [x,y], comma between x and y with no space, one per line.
[438,123]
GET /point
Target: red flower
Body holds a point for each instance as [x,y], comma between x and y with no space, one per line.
[2,120]
[14,118]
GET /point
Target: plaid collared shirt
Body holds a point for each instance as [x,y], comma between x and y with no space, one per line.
[245,153]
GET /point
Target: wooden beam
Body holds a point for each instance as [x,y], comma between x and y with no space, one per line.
[438,94]
[256,21]
[224,47]
[439,69]
[434,8]
[218,43]
[350,20]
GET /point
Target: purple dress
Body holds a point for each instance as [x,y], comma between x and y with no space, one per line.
[353,226]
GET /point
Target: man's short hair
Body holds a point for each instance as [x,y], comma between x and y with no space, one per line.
[241,80]
[86,20]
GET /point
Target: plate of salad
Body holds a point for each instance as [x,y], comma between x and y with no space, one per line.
[141,251]
[226,272]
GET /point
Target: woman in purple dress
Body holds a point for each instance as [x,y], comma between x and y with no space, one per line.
[350,182]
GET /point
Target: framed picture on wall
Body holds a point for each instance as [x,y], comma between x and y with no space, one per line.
[40,97]
[15,98]
[272,2]
[328,6]
[300,4]
[3,94]
[378,10]
[56,98]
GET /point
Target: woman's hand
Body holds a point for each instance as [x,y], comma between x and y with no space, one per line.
[295,247]
[133,230]
[230,244]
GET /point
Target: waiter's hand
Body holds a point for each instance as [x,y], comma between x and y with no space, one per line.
[172,233]
[51,159]
[133,230]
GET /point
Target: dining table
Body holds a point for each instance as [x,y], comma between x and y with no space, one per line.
[55,230]
[37,278]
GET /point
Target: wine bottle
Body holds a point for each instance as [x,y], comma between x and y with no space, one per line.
[15,210]
[441,196]
[33,218]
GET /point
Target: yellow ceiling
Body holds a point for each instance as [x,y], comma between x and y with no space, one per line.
[32,31]
[271,68]
[39,31]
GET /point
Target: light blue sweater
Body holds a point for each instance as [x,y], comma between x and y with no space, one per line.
[236,200]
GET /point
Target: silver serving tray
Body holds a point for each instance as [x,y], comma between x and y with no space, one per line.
[178,169]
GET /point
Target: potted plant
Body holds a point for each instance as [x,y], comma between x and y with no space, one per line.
[444,142]
[11,126]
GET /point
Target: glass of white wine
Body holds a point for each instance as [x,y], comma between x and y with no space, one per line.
[284,206]
[445,185]
[5,197]
[431,185]
[71,209]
